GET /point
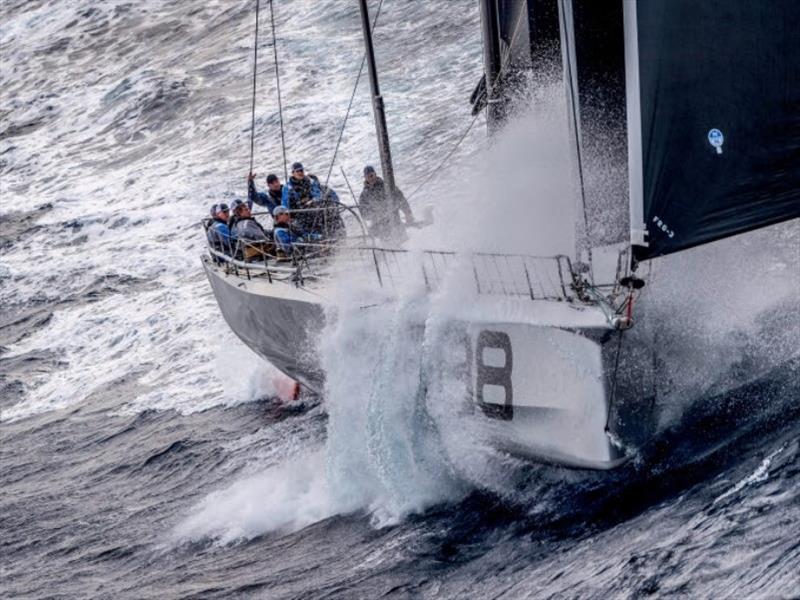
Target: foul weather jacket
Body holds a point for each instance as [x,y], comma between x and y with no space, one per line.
[381,209]
[249,230]
[286,235]
[265,199]
[220,238]
[296,193]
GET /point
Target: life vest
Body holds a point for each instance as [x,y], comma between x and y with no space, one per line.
[295,192]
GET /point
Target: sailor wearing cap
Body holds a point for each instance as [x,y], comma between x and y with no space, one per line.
[300,190]
[244,226]
[381,209]
[218,233]
[269,199]
[284,232]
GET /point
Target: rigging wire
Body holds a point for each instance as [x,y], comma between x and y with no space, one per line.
[503,68]
[452,151]
[579,158]
[278,85]
[255,73]
[352,97]
[446,157]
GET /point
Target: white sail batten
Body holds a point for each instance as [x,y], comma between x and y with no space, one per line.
[634,117]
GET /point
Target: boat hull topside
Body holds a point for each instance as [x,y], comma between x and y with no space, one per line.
[280,327]
[545,391]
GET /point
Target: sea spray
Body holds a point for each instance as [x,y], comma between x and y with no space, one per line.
[516,195]
[721,315]
[382,455]
[286,497]
[402,432]
[378,450]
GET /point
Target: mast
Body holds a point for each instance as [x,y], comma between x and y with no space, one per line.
[377,102]
[492,62]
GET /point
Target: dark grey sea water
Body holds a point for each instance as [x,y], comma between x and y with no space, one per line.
[143,450]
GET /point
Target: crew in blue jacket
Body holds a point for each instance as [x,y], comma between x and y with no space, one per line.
[218,234]
[300,190]
[269,199]
[286,234]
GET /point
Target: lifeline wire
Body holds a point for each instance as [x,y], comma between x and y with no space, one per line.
[352,97]
[255,72]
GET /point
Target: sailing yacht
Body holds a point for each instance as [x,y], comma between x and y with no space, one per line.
[693,106]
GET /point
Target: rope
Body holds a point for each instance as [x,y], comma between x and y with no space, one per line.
[278,85]
[352,97]
[349,187]
[255,72]
[446,158]
[614,380]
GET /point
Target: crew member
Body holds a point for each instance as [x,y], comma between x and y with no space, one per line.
[327,221]
[218,234]
[269,199]
[275,189]
[286,233]
[381,209]
[300,190]
[253,241]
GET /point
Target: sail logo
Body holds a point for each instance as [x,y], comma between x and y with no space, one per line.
[663,226]
[716,139]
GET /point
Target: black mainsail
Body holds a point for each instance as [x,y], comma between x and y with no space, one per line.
[713,93]
[703,97]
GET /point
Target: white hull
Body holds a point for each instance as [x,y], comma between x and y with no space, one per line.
[555,406]
[537,373]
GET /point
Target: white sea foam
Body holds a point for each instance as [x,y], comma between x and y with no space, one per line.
[284,498]
[145,141]
[760,475]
